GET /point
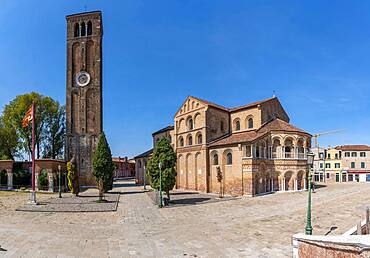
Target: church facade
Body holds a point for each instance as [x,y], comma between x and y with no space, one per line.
[253,147]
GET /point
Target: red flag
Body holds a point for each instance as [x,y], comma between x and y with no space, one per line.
[27,118]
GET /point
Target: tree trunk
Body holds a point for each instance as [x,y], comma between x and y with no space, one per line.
[101,189]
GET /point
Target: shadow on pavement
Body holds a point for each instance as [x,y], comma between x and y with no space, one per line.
[183,193]
[189,201]
[319,186]
[124,185]
[132,192]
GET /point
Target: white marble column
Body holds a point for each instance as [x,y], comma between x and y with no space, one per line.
[304,184]
[295,184]
[10,179]
[51,181]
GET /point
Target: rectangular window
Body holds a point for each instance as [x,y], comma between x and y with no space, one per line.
[354,154]
[328,155]
[346,154]
[352,164]
[327,165]
[327,175]
[336,155]
[321,155]
[362,164]
[337,165]
[362,154]
[321,165]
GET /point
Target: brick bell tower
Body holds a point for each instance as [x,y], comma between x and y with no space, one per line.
[84,90]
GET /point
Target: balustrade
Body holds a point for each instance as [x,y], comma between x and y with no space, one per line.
[277,152]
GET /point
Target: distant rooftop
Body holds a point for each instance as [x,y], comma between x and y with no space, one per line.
[167,128]
[145,154]
[358,147]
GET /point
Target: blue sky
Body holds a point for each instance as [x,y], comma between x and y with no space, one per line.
[315,55]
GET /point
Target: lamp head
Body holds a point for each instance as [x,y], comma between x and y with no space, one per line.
[310,158]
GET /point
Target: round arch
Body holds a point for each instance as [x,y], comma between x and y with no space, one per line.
[197,120]
[236,124]
[249,122]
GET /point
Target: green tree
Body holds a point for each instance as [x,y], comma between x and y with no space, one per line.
[8,142]
[164,154]
[54,140]
[43,181]
[13,115]
[103,166]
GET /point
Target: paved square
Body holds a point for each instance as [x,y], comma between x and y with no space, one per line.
[85,202]
[244,227]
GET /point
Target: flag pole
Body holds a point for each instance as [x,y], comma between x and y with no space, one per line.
[33,193]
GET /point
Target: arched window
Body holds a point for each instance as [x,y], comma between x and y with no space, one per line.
[215,159]
[181,142]
[89,28]
[83,29]
[190,124]
[190,140]
[237,125]
[200,138]
[77,30]
[229,159]
[250,123]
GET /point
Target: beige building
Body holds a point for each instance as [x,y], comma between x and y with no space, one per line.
[333,166]
[356,162]
[253,146]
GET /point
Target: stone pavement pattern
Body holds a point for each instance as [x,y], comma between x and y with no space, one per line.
[85,202]
[245,227]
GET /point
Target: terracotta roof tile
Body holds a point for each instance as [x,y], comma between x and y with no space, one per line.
[279,125]
[353,148]
[167,128]
[252,104]
[211,103]
[233,109]
[145,154]
[249,136]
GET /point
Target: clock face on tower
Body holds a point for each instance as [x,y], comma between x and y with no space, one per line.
[82,78]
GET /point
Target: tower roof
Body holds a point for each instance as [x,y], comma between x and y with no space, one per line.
[83,13]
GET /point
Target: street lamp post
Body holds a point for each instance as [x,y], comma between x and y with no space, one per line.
[308,229]
[60,181]
[160,185]
[144,177]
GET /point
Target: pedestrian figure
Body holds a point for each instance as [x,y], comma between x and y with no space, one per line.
[313,186]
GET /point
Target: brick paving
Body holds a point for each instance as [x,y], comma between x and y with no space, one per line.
[244,227]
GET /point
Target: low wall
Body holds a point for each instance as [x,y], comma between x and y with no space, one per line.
[50,166]
[331,246]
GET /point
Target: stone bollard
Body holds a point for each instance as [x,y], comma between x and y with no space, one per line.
[10,180]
